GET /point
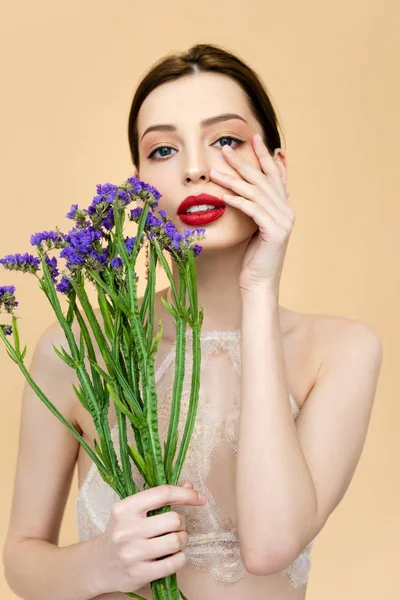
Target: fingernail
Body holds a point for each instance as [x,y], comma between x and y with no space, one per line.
[228,149]
[215,172]
[202,496]
[258,138]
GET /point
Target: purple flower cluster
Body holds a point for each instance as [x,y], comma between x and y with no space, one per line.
[21,262]
[135,187]
[81,243]
[101,209]
[8,302]
[129,242]
[64,287]
[79,215]
[53,239]
[72,212]
[52,264]
[167,234]
[7,298]
[116,262]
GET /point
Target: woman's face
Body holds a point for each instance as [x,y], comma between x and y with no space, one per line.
[178,163]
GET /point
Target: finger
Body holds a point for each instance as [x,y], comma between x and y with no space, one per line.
[249,172]
[164,545]
[267,163]
[273,187]
[264,219]
[187,484]
[166,566]
[157,525]
[253,193]
[159,496]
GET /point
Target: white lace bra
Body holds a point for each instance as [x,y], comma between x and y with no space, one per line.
[213,543]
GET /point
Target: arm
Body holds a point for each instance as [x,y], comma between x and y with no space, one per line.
[274,490]
[292,475]
[34,566]
[36,569]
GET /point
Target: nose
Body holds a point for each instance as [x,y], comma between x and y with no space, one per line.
[193,175]
[196,167]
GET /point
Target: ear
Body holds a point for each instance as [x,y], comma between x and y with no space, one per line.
[280,161]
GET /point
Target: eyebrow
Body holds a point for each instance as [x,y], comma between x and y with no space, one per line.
[204,123]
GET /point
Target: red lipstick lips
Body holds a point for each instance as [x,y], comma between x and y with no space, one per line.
[201,217]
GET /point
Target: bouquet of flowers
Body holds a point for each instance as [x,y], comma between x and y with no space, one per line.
[96,251]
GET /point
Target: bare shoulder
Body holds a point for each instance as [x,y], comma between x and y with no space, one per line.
[328,330]
[315,341]
[330,335]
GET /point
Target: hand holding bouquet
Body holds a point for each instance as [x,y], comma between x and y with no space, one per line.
[96,251]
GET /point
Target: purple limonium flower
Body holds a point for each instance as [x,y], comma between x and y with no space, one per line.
[178,244]
[197,249]
[192,236]
[98,257]
[73,258]
[108,221]
[151,219]
[64,286]
[7,298]
[173,235]
[52,264]
[140,189]
[72,212]
[8,302]
[53,239]
[27,263]
[129,243]
[101,209]
[135,214]
[79,215]
[116,262]
[80,245]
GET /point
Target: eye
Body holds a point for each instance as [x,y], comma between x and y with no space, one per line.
[160,148]
[229,137]
[224,137]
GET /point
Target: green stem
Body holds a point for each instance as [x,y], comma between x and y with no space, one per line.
[180,352]
[194,393]
[50,405]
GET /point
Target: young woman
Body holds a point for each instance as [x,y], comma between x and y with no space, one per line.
[282,419]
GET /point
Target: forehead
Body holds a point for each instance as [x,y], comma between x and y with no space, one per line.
[194,97]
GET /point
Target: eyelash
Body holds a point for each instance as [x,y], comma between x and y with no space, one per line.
[151,155]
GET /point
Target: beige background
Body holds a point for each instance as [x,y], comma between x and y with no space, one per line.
[69,70]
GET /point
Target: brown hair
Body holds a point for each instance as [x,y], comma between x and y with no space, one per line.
[212,59]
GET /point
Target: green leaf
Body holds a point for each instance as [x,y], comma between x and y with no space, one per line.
[70,313]
[12,356]
[100,371]
[137,459]
[105,456]
[158,338]
[150,470]
[104,309]
[170,309]
[66,357]
[81,346]
[15,334]
[81,397]
[98,449]
[134,420]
